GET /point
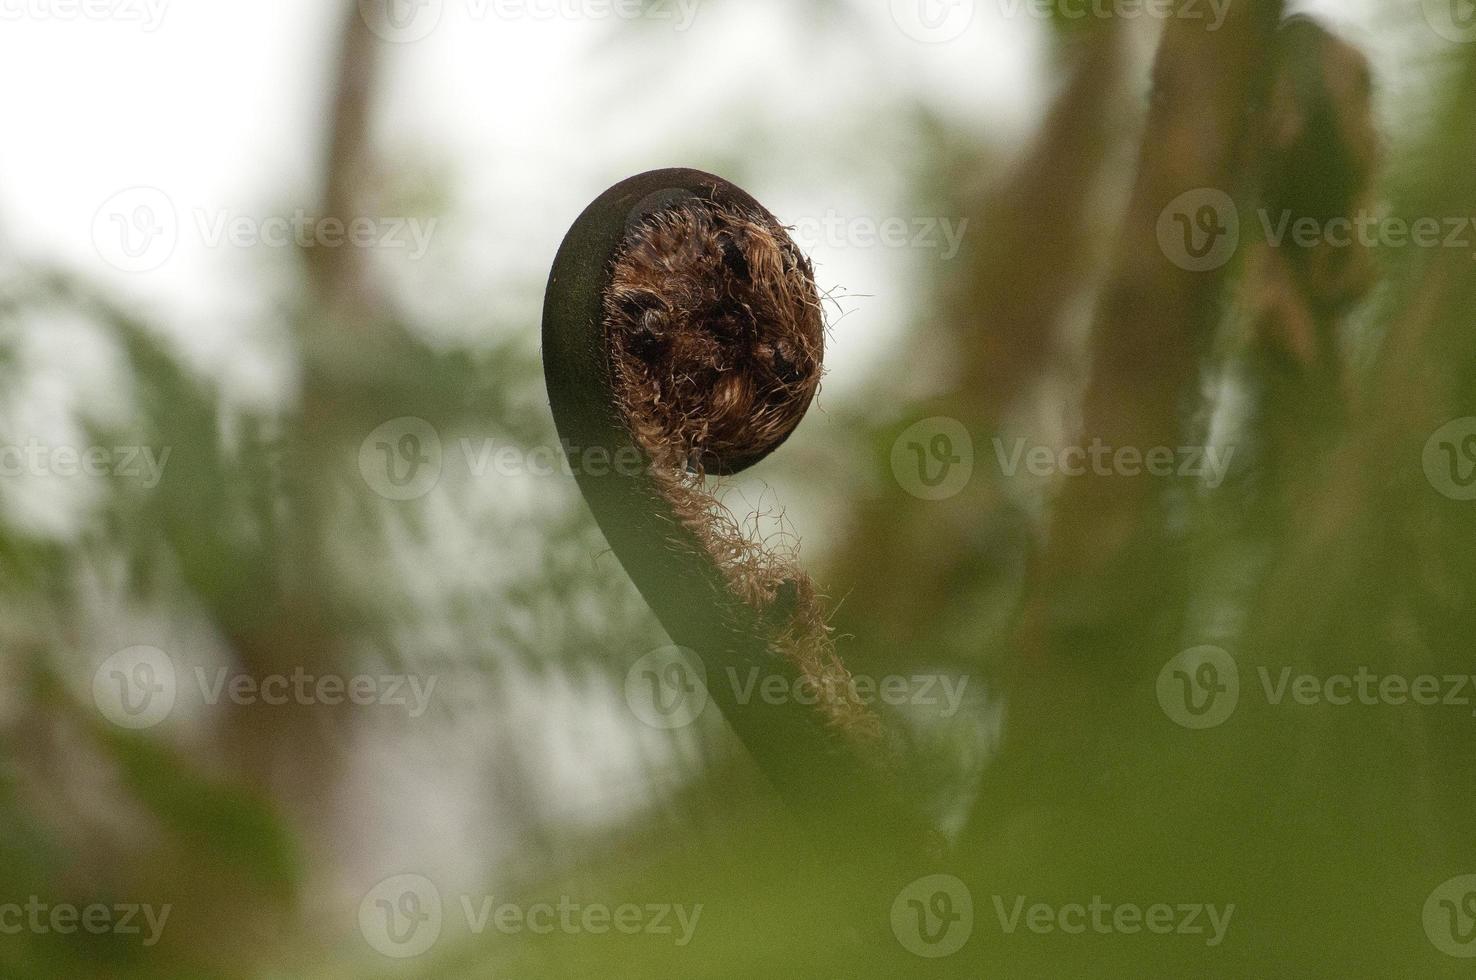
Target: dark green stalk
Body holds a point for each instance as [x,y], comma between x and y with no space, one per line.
[815,768]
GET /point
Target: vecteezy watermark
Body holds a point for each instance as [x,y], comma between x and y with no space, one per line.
[933,21]
[834,230]
[1450,917]
[566,459]
[139,229]
[148,14]
[401,459]
[404,459]
[139,686]
[407,21]
[933,459]
[135,687]
[668,688]
[1213,12]
[933,916]
[136,230]
[1208,463]
[142,463]
[1454,20]
[677,921]
[1105,918]
[408,691]
[1450,459]
[935,691]
[219,227]
[41,918]
[402,917]
[1368,688]
[1369,230]
[1200,687]
[1201,229]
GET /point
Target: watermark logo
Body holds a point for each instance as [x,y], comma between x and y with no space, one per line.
[1200,687]
[566,459]
[136,230]
[1450,917]
[149,14]
[144,464]
[1199,230]
[681,13]
[407,21]
[135,688]
[1367,688]
[401,21]
[138,688]
[1210,464]
[573,918]
[65,919]
[404,459]
[933,916]
[1211,11]
[933,459]
[409,691]
[667,688]
[1369,229]
[223,227]
[401,916]
[1450,459]
[942,694]
[401,459]
[1454,20]
[1116,918]
[834,230]
[933,21]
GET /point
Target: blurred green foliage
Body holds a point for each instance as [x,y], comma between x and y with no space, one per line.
[1064,779]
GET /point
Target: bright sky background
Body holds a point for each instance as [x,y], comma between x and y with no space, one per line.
[219,105]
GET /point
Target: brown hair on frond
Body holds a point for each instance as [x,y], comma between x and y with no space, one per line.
[715,327]
[717,341]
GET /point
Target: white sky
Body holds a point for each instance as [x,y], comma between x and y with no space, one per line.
[219,105]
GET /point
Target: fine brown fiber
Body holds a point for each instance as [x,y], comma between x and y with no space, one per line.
[716,338]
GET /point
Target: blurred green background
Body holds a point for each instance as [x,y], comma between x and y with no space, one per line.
[206,482]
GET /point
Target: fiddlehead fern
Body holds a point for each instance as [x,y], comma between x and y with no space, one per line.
[682,333]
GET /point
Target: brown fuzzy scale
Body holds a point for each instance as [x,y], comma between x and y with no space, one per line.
[715,328]
[716,336]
